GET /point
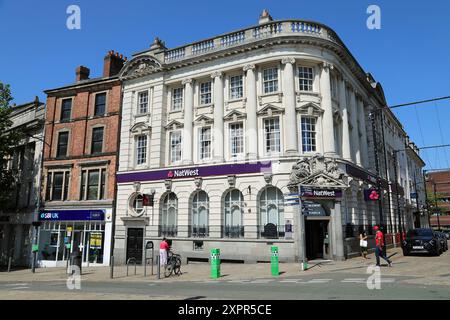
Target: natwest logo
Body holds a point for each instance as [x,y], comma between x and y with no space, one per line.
[183,173]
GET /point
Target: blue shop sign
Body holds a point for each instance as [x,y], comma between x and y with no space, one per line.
[72,215]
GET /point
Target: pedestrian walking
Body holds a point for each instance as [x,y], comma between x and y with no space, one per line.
[163,248]
[363,244]
[379,244]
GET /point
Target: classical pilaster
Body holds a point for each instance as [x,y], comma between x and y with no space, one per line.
[346,151]
[362,124]
[290,127]
[328,123]
[188,120]
[218,117]
[355,133]
[252,126]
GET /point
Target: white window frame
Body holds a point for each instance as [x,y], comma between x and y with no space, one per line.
[140,103]
[275,81]
[205,93]
[84,193]
[138,147]
[240,87]
[271,152]
[315,132]
[303,81]
[173,151]
[230,139]
[201,141]
[64,183]
[177,102]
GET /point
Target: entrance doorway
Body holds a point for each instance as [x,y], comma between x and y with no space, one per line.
[135,237]
[317,239]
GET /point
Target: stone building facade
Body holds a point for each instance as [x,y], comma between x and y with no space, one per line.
[220,132]
[16,230]
[80,152]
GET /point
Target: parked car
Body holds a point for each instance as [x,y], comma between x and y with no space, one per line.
[447,234]
[422,240]
[443,239]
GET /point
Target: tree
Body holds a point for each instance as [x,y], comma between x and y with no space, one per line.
[8,140]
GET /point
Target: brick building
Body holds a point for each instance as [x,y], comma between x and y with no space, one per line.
[438,183]
[81,143]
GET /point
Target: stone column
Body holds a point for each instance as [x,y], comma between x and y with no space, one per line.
[188,121]
[252,126]
[362,123]
[355,133]
[328,122]
[346,151]
[290,123]
[218,117]
[338,233]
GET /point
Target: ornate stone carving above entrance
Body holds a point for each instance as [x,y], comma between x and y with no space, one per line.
[318,171]
[139,67]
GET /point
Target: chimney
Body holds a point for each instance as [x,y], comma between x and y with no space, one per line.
[113,63]
[265,17]
[82,73]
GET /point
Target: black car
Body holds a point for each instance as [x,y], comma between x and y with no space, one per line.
[443,239]
[422,240]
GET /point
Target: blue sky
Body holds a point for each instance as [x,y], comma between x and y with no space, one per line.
[409,55]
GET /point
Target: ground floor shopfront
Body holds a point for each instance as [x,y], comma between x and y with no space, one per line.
[64,232]
[15,238]
[243,209]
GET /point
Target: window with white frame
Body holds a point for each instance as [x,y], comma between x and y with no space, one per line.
[236,87]
[57,185]
[93,184]
[177,99]
[137,203]
[271,211]
[141,149]
[305,78]
[175,146]
[308,128]
[270,80]
[236,139]
[272,135]
[205,143]
[205,93]
[143,102]
[234,211]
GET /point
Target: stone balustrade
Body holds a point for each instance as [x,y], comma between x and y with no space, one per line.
[265,31]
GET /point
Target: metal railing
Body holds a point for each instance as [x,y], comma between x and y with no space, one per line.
[168,231]
[276,234]
[233,231]
[131,260]
[200,231]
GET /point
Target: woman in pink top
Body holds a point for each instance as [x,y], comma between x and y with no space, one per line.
[163,248]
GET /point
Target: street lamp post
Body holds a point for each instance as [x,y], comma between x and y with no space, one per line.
[436,204]
[400,226]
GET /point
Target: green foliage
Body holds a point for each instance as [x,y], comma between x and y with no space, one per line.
[8,140]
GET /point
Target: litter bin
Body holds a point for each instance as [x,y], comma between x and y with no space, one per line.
[75,260]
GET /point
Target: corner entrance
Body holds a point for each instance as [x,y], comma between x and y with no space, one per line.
[317,239]
[135,237]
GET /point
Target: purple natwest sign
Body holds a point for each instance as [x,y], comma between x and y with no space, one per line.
[226,169]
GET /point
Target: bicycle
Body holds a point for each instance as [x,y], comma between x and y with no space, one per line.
[173,264]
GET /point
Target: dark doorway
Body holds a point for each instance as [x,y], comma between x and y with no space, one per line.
[135,238]
[317,240]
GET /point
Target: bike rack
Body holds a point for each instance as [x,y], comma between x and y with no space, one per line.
[131,260]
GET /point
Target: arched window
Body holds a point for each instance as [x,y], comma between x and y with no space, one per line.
[169,214]
[234,209]
[271,213]
[200,214]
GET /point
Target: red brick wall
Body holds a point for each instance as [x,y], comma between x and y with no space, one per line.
[80,127]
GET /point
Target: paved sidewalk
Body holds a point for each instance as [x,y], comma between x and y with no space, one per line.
[417,267]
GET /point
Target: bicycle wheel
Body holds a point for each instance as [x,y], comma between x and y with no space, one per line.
[168,269]
[177,267]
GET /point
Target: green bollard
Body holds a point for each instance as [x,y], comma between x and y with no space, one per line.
[274,261]
[215,263]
